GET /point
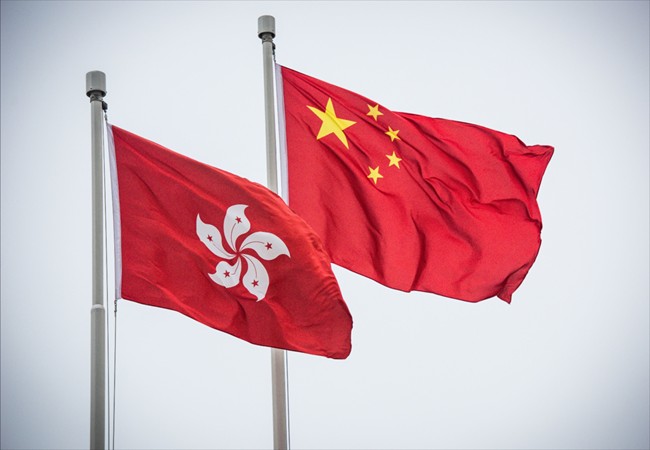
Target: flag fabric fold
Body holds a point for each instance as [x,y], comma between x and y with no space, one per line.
[413,202]
[222,250]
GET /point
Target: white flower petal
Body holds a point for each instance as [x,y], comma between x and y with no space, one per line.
[210,236]
[267,245]
[256,279]
[235,224]
[227,275]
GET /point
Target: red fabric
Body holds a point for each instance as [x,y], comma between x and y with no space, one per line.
[456,214]
[170,261]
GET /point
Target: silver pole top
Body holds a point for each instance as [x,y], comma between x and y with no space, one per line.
[266,25]
[96,83]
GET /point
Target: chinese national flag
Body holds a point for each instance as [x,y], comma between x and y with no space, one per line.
[222,250]
[412,202]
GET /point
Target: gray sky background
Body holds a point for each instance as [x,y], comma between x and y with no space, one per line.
[566,365]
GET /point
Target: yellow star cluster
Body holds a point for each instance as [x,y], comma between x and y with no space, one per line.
[331,124]
[393,159]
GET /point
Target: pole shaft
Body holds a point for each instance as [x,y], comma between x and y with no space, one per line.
[266,32]
[280,405]
[269,105]
[96,89]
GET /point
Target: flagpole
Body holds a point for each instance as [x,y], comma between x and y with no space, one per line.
[266,32]
[96,90]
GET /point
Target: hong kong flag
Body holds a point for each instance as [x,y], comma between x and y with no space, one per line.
[413,202]
[222,250]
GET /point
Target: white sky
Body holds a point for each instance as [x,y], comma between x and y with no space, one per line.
[566,365]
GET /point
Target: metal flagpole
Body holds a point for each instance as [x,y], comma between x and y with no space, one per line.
[96,90]
[266,32]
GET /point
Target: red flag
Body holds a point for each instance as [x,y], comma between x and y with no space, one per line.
[222,250]
[412,202]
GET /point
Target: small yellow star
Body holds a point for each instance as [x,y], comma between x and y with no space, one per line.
[374,112]
[394,160]
[393,134]
[331,123]
[374,174]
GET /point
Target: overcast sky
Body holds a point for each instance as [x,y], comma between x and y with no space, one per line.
[565,366]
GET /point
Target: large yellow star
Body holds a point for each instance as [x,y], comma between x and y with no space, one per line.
[393,134]
[374,112]
[331,123]
[374,174]
[394,160]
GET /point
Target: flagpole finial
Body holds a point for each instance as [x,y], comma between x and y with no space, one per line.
[266,27]
[95,83]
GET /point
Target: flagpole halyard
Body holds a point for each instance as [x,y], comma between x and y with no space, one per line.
[96,90]
[266,32]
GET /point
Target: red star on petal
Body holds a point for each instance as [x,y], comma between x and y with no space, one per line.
[238,219]
[209,238]
[255,283]
[269,246]
[226,274]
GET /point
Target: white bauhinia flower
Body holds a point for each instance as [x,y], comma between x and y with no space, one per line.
[263,244]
